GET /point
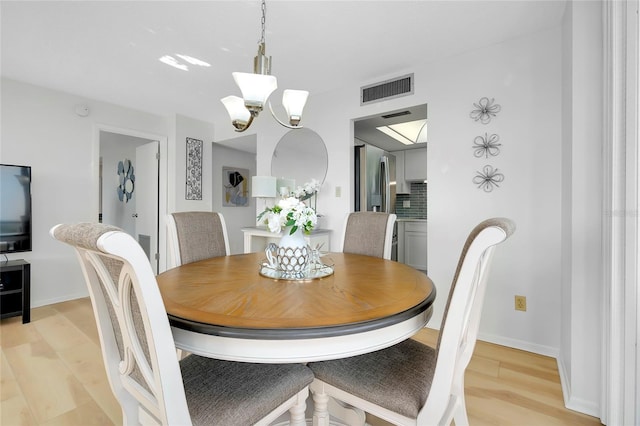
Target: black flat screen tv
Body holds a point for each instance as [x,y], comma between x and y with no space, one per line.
[15,208]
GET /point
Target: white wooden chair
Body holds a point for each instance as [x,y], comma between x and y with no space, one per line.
[368,233]
[411,383]
[194,236]
[146,378]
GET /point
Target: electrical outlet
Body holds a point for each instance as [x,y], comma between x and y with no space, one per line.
[521,303]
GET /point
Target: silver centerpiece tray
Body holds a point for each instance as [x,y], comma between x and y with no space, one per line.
[316,271]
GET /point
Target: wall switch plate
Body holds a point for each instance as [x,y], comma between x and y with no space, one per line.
[406,204]
[338,191]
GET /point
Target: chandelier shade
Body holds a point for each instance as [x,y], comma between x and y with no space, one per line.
[240,115]
[255,88]
[294,102]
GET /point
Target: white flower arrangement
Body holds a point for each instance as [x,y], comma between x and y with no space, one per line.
[307,190]
[290,212]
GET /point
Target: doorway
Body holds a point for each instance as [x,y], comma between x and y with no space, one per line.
[130,182]
[401,137]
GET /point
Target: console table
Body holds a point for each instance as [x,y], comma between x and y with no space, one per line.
[15,289]
[256,238]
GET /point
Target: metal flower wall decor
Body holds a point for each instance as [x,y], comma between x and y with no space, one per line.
[486,145]
[126,180]
[485,110]
[488,178]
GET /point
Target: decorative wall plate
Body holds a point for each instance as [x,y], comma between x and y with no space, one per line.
[126,180]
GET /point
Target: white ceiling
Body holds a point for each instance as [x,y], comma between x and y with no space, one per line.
[109,50]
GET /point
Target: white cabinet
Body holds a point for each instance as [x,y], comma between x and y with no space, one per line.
[411,166]
[402,186]
[415,164]
[415,244]
[256,238]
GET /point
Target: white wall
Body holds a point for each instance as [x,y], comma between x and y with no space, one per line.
[40,129]
[525,78]
[235,217]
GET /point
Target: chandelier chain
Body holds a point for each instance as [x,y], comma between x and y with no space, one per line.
[263,21]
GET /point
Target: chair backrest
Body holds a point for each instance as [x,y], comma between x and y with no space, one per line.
[459,329]
[194,236]
[368,233]
[137,345]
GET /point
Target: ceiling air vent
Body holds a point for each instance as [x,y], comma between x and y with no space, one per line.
[389,89]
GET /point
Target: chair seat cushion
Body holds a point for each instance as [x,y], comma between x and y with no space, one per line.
[237,393]
[397,378]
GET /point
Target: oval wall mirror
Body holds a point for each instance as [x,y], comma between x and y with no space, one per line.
[300,155]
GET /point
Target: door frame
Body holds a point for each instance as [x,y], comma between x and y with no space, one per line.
[620,372]
[162,179]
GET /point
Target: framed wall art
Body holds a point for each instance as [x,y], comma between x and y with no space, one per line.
[193,189]
[235,187]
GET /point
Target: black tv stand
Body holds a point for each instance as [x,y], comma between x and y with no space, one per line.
[15,289]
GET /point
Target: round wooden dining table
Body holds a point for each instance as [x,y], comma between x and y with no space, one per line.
[225,308]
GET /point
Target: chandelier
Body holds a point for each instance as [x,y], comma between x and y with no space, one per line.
[256,88]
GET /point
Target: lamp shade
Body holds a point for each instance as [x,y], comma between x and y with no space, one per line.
[236,109]
[263,186]
[255,88]
[293,102]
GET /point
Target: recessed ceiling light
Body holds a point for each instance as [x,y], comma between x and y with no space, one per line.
[394,134]
[408,133]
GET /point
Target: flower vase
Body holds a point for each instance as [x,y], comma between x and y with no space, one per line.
[293,254]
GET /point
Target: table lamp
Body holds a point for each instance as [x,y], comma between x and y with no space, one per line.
[263,187]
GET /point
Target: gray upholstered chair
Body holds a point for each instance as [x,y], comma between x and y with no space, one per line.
[368,233]
[194,236]
[412,383]
[146,378]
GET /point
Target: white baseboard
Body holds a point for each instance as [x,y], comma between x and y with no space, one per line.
[65,298]
[571,402]
[520,344]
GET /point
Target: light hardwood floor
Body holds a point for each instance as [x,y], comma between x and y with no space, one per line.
[51,373]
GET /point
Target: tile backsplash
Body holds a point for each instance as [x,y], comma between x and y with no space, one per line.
[417,200]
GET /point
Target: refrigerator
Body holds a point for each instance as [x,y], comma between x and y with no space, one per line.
[375,183]
[375,179]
